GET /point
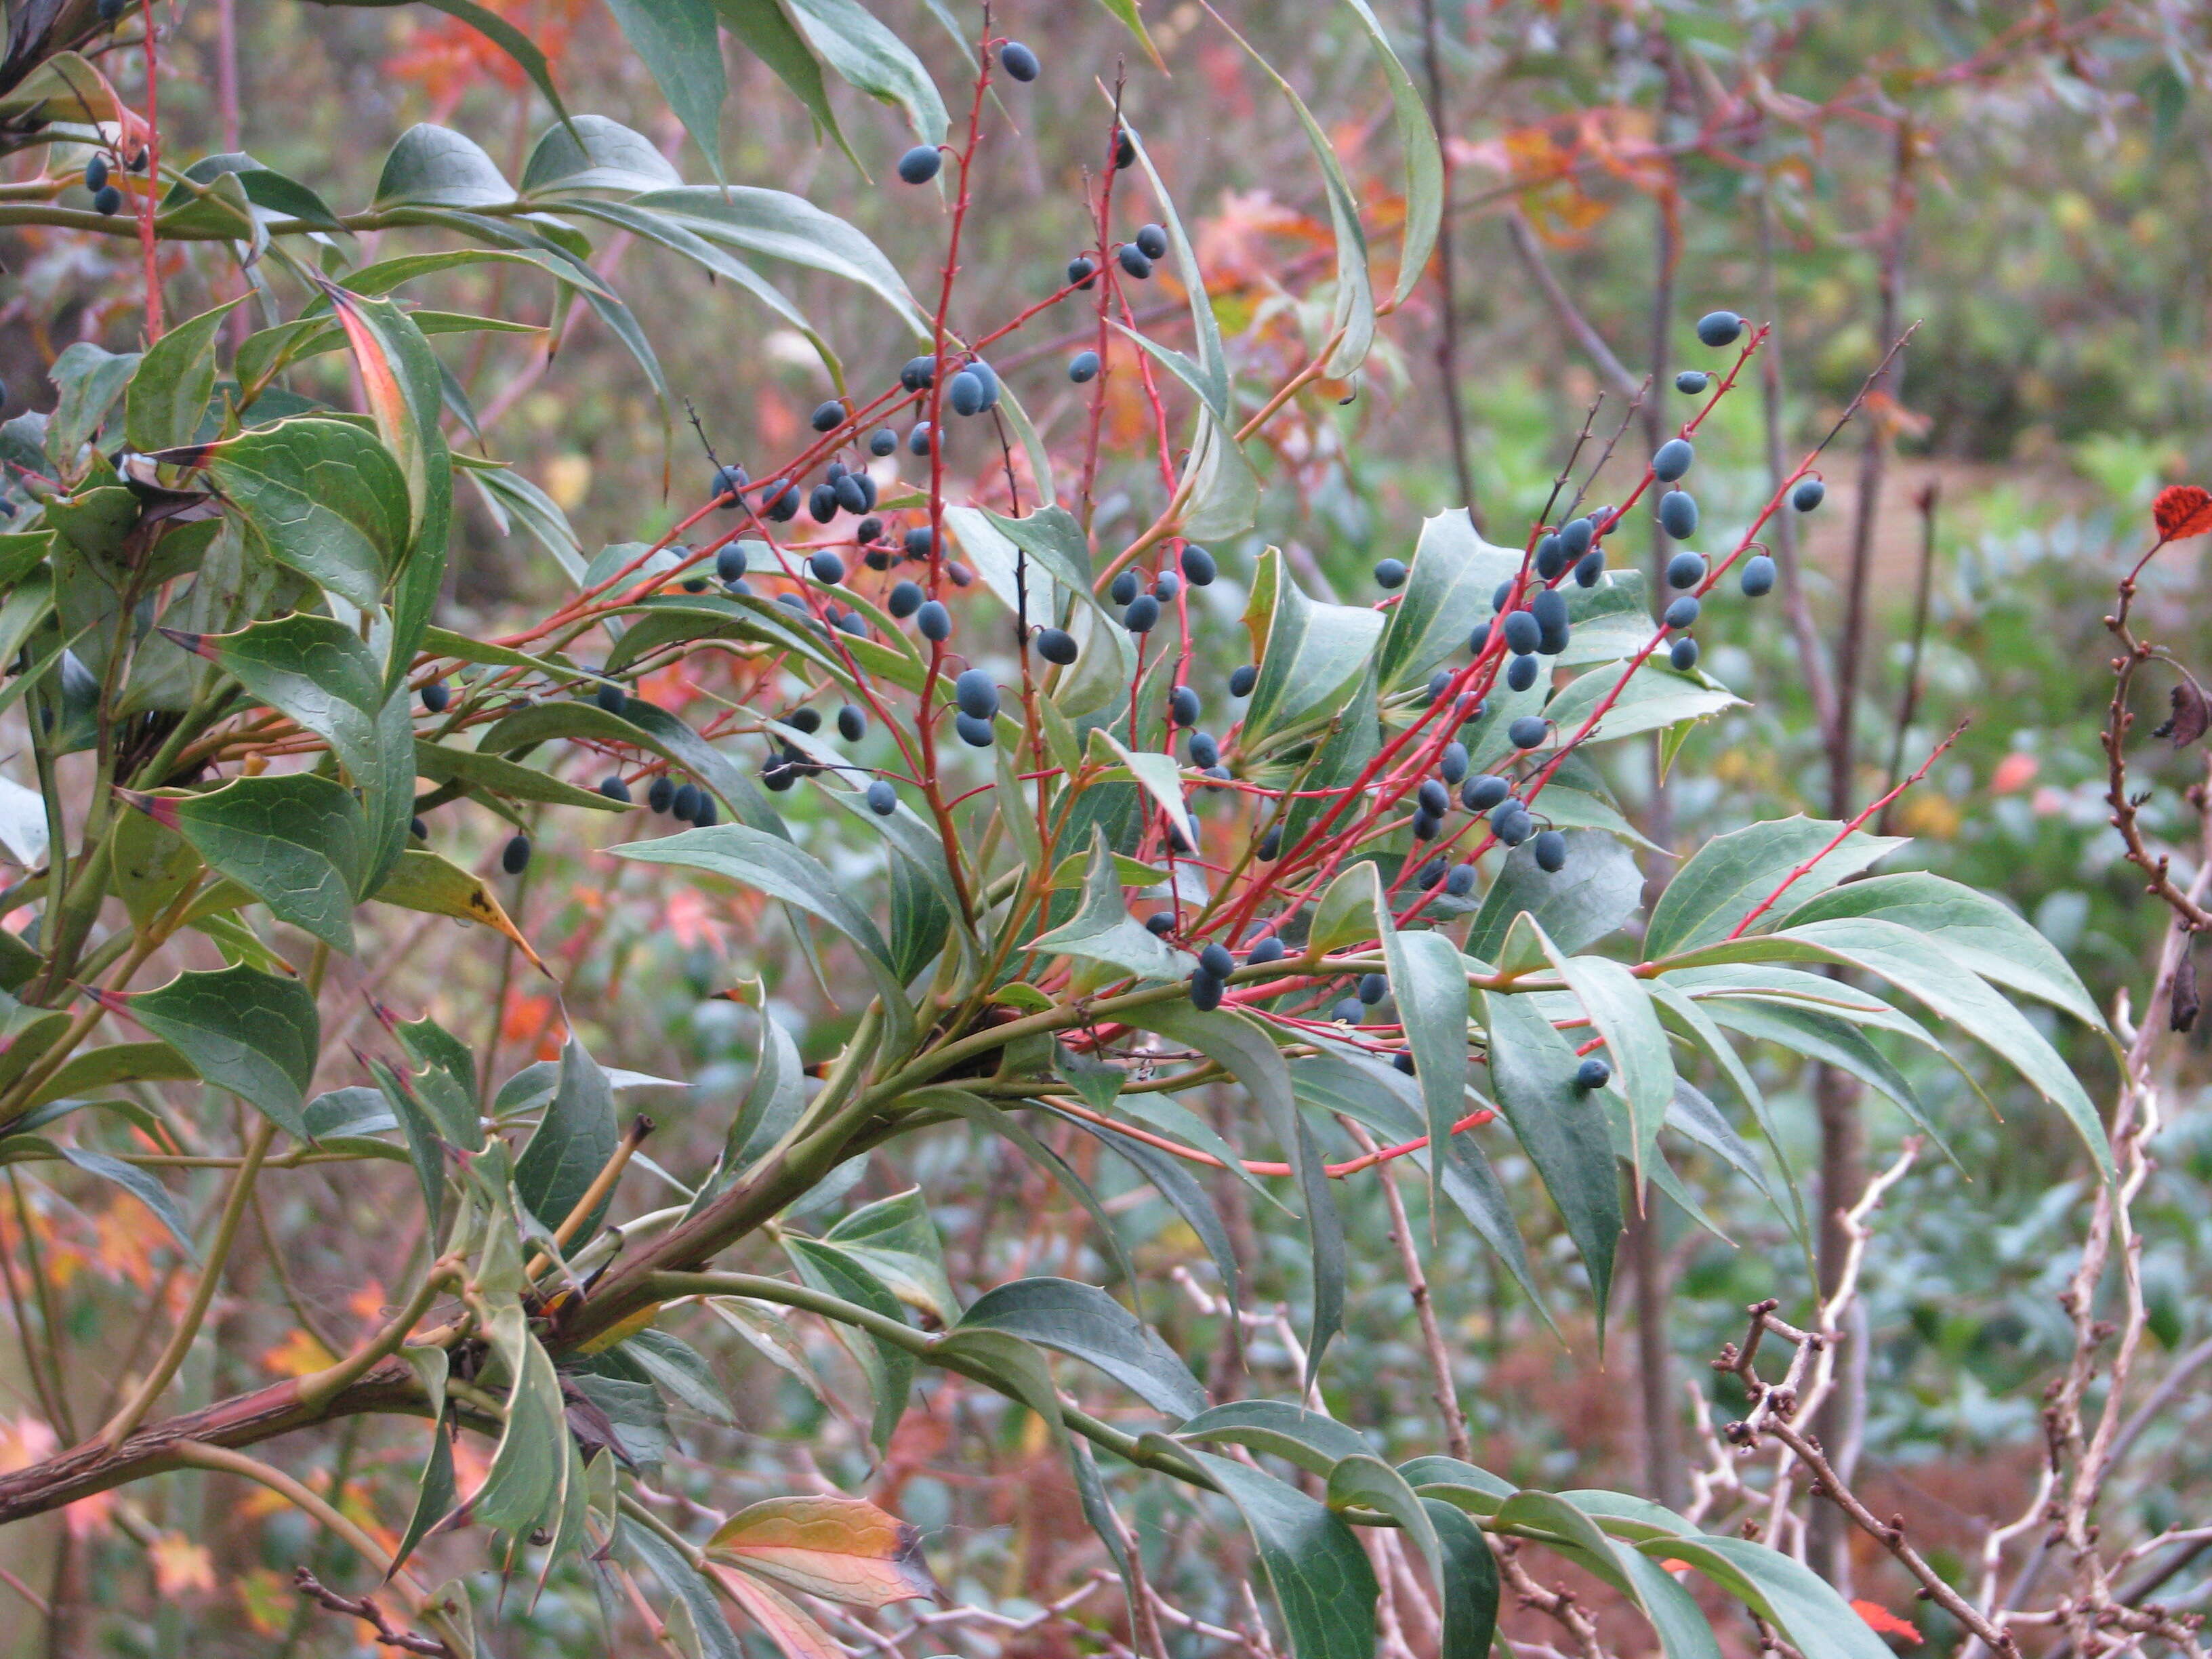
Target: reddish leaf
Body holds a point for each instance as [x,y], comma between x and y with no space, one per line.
[2182,511]
[1883,1622]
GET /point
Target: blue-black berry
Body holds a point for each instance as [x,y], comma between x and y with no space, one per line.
[1592,1073]
[1056,645]
[436,695]
[1082,273]
[1269,949]
[1685,570]
[1758,578]
[882,441]
[918,440]
[1678,514]
[515,857]
[1242,678]
[1673,460]
[1460,881]
[1683,653]
[1551,851]
[904,599]
[1389,573]
[1809,494]
[1373,987]
[1719,328]
[965,392]
[1205,991]
[829,416]
[1589,568]
[1452,763]
[1198,567]
[1132,260]
[1182,705]
[1527,731]
[1082,367]
[661,792]
[1160,924]
[1549,608]
[614,789]
[1152,242]
[1143,614]
[1205,750]
[920,164]
[1124,587]
[1523,632]
[1019,61]
[1479,794]
[1692,381]
[976,733]
[1521,673]
[610,698]
[1216,960]
[1166,586]
[917,373]
[783,503]
[1575,537]
[851,724]
[932,621]
[976,694]
[729,562]
[883,799]
[821,503]
[1683,612]
[827,568]
[108,199]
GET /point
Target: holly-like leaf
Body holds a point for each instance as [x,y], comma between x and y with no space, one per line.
[293,841]
[242,1029]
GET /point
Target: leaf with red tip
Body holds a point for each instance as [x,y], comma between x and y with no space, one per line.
[162,809]
[2182,511]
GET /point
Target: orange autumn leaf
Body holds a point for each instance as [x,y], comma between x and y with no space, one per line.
[2182,511]
[1881,1620]
[298,1355]
[180,1565]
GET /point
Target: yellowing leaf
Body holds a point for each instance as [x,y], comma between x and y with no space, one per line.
[427,881]
[841,1549]
[298,1355]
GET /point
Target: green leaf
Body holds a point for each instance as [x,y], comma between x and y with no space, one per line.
[1320,1576]
[1312,654]
[1315,1443]
[440,167]
[1620,1011]
[1475,1491]
[1788,1595]
[1104,931]
[1447,591]
[1351,324]
[1532,1070]
[785,227]
[679,1370]
[777,868]
[572,1143]
[1126,13]
[435,1494]
[1428,981]
[958,1102]
[1996,943]
[293,841]
[1653,699]
[897,1239]
[319,673]
[1917,966]
[526,1466]
[681,47]
[1600,888]
[141,1186]
[322,496]
[426,1146]
[242,1029]
[1470,1573]
[848,38]
[763,29]
[1833,1041]
[1014,1364]
[1182,1192]
[889,1368]
[1424,161]
[169,394]
[1243,1047]
[89,381]
[113,1063]
[646,726]
[264,187]
[443,764]
[515,499]
[1732,872]
[590,152]
[1082,1320]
